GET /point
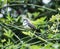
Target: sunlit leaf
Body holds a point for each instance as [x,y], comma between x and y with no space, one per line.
[34,47]
[28,33]
[8,33]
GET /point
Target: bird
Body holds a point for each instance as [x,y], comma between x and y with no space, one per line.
[28,25]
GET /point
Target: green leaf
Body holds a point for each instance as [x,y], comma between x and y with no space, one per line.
[34,47]
[8,33]
[35,14]
[3,40]
[40,21]
[28,33]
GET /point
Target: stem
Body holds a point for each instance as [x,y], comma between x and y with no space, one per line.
[30,5]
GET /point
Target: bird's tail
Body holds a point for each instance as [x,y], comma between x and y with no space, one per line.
[38,30]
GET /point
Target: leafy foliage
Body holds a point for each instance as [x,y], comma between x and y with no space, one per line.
[13,35]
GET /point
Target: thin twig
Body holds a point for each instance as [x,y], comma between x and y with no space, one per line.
[41,39]
[30,5]
[16,27]
[30,40]
[34,43]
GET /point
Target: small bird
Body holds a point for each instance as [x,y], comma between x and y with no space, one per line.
[28,25]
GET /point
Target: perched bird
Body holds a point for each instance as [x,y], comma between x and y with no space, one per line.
[27,24]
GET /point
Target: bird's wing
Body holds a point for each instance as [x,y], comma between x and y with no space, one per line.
[31,26]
